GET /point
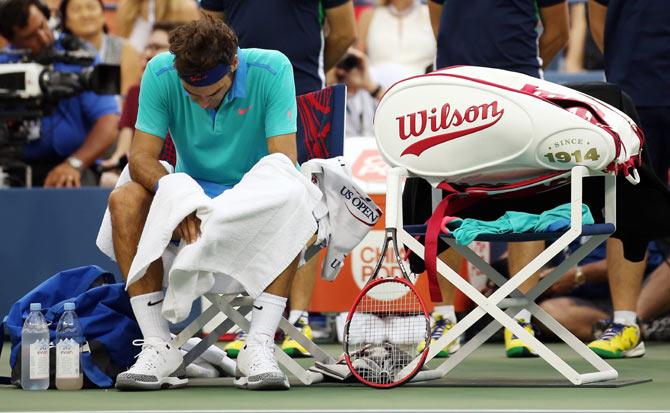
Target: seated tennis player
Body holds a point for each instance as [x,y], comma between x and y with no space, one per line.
[226,108]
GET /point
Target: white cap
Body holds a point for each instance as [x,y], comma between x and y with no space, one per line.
[68,306]
[35,306]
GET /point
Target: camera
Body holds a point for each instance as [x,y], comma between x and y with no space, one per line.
[32,88]
[349,62]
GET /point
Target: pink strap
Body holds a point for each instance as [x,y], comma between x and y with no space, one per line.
[452,203]
[445,221]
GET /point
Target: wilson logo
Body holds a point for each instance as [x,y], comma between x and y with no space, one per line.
[475,118]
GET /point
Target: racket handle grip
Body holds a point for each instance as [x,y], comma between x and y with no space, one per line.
[393,196]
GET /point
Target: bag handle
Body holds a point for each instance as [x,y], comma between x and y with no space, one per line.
[452,203]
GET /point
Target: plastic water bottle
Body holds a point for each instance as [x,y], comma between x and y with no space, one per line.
[69,339]
[35,351]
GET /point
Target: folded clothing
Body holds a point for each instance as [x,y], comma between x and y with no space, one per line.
[466,230]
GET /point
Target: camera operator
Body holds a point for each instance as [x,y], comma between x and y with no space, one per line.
[79,129]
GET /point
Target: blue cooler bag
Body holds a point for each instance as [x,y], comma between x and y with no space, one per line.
[106,318]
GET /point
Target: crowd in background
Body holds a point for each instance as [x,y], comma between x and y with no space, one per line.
[395,39]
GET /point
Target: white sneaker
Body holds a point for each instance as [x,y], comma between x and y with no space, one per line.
[366,329]
[158,366]
[407,330]
[257,368]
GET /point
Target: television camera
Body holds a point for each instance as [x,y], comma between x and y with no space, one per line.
[31,88]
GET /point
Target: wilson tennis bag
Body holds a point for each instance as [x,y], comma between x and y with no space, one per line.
[476,132]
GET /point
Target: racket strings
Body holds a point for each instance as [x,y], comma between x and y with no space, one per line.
[386,329]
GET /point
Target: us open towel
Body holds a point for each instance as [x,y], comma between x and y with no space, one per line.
[351,213]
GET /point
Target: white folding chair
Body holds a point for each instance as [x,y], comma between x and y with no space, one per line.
[507,294]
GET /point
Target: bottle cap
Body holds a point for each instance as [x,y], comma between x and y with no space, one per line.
[35,306]
[68,306]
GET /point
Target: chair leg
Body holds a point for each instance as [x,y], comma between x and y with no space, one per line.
[298,336]
[509,287]
[212,337]
[194,326]
[305,376]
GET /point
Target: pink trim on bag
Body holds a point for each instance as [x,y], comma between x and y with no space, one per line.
[445,221]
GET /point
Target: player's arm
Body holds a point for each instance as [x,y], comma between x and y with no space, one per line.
[284,144]
[150,128]
[281,113]
[143,160]
[556,29]
[597,14]
[435,12]
[341,33]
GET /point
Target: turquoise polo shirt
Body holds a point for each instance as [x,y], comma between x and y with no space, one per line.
[220,145]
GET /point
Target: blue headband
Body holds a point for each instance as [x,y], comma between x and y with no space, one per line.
[207,77]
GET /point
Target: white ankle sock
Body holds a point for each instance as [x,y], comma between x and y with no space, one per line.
[524,315]
[628,318]
[447,311]
[267,311]
[294,315]
[147,309]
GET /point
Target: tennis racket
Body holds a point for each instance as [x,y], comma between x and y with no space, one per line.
[386,326]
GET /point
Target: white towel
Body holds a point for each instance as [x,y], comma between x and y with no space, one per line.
[251,232]
[178,195]
[104,239]
[351,213]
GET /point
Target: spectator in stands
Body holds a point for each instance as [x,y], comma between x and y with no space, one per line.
[297,30]
[363,93]
[86,20]
[397,38]
[637,60]
[80,129]
[500,35]
[158,42]
[134,19]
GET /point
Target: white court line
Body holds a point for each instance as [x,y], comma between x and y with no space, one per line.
[371,411]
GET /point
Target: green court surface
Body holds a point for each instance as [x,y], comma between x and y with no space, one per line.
[488,363]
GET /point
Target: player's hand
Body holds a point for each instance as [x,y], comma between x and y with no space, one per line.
[189,229]
[63,176]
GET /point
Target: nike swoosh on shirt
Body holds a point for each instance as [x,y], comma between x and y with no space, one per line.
[243,111]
